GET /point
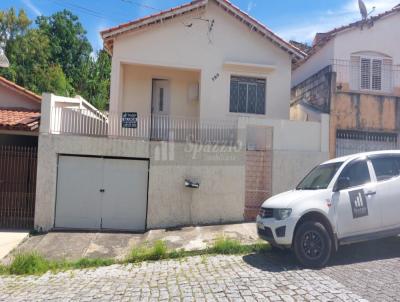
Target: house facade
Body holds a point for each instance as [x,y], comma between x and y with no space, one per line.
[198,130]
[19,131]
[353,74]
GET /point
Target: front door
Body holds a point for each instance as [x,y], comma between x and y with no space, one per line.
[357,208]
[160,110]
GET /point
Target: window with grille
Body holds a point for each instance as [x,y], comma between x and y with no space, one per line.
[247,95]
[371,74]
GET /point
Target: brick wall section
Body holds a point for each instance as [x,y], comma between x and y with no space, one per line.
[258,181]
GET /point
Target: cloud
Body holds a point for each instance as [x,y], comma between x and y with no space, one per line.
[324,21]
[32,7]
[250,6]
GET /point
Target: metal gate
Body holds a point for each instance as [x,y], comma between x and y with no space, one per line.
[351,142]
[17,186]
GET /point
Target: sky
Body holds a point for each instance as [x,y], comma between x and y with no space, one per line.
[291,19]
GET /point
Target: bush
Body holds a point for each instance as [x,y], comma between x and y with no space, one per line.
[142,253]
[29,263]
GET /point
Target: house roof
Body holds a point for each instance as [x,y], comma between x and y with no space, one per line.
[21,90]
[19,119]
[321,39]
[108,35]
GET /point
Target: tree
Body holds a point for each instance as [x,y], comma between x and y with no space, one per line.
[95,83]
[13,25]
[70,47]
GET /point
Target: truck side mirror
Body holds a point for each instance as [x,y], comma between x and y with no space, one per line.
[342,183]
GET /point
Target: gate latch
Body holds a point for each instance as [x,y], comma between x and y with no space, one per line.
[102,190]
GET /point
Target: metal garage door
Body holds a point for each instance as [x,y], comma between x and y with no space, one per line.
[101,193]
[350,142]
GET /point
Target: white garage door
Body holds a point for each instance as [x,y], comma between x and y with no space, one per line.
[101,193]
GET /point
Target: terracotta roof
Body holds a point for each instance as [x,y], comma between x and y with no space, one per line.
[22,90]
[19,119]
[321,39]
[109,34]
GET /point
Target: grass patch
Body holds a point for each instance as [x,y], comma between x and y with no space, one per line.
[34,264]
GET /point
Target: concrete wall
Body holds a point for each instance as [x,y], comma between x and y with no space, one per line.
[219,199]
[137,89]
[364,112]
[296,148]
[172,44]
[13,99]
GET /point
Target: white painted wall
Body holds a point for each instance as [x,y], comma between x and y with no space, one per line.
[315,63]
[12,99]
[172,44]
[382,37]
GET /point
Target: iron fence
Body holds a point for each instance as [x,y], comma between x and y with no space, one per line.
[17,186]
[154,127]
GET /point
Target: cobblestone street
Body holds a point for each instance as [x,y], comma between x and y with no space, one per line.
[354,275]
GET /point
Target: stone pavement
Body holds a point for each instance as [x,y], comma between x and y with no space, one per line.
[76,245]
[368,271]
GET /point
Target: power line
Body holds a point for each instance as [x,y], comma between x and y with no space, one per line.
[142,5]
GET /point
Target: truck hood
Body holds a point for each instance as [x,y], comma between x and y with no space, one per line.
[290,198]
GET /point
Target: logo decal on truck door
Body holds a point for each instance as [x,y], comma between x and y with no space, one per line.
[358,203]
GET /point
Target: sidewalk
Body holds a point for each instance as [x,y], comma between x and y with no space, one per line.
[76,245]
[10,240]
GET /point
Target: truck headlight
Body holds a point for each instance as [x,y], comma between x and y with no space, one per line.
[281,214]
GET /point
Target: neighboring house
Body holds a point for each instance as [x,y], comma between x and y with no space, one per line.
[353,74]
[19,130]
[197,132]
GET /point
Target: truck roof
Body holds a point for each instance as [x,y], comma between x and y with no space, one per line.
[364,154]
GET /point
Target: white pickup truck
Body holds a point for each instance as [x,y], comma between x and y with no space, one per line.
[342,201]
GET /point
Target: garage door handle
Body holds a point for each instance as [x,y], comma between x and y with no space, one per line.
[102,190]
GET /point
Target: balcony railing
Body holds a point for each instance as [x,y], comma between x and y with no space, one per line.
[380,79]
[83,122]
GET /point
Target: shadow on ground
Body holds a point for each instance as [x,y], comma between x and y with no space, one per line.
[277,261]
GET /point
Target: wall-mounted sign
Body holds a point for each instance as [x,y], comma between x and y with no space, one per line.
[129,119]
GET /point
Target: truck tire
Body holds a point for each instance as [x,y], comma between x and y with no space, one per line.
[312,244]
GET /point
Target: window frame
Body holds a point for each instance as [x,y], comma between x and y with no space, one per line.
[255,78]
[379,156]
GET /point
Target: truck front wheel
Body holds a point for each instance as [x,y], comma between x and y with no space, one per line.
[312,244]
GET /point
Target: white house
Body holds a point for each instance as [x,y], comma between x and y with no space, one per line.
[197,131]
[353,73]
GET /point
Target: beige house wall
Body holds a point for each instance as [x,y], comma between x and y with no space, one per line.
[219,199]
[12,99]
[137,89]
[174,45]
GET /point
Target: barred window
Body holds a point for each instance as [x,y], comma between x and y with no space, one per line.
[247,95]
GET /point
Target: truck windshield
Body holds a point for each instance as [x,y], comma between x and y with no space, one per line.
[320,177]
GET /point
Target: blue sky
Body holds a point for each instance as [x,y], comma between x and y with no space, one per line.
[292,19]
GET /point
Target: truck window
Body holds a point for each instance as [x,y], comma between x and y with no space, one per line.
[386,167]
[357,172]
[320,177]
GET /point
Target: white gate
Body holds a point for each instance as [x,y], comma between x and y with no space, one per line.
[101,193]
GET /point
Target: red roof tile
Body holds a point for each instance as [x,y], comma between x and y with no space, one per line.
[19,119]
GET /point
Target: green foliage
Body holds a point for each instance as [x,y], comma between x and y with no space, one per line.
[97,262]
[143,253]
[29,264]
[55,56]
[227,246]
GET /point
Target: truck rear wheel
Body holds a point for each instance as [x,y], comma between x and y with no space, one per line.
[312,244]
